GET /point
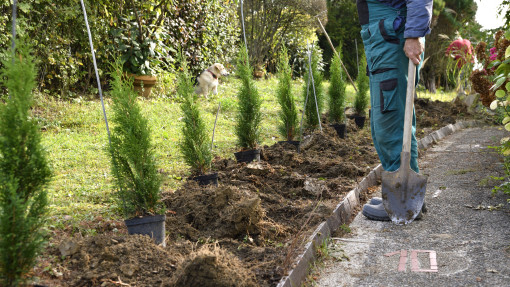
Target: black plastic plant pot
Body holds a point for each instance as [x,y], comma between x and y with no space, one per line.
[154,226]
[207,179]
[360,121]
[340,130]
[248,155]
[294,143]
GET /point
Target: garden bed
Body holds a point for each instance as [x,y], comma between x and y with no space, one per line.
[245,232]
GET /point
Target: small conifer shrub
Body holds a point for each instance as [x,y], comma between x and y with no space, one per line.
[336,90]
[24,171]
[288,113]
[249,102]
[195,144]
[362,83]
[131,152]
[311,118]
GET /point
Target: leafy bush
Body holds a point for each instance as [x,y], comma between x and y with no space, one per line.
[207,31]
[343,14]
[132,154]
[249,115]
[195,144]
[336,90]
[281,18]
[499,67]
[311,119]
[139,41]
[362,83]
[288,113]
[24,172]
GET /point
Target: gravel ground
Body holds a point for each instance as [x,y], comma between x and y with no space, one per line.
[466,231]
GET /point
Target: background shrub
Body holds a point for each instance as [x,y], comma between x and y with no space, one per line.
[207,32]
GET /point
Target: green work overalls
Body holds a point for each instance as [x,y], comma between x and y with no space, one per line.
[387,67]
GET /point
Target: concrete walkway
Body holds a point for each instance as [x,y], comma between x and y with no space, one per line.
[464,239]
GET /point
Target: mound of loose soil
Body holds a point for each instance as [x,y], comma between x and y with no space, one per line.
[211,266]
[226,211]
[108,261]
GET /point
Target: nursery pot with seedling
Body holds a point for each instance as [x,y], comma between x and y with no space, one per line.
[248,155]
[340,130]
[360,121]
[152,225]
[207,179]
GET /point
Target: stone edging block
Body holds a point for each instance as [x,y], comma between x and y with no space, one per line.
[342,212]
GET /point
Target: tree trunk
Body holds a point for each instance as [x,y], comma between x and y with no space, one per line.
[430,81]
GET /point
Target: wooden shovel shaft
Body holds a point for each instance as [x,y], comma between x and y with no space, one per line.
[408,117]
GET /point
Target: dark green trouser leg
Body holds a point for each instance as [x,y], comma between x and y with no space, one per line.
[387,66]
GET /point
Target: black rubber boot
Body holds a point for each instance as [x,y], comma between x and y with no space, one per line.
[378,200]
[378,213]
[375,212]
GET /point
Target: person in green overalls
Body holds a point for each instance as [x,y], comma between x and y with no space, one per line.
[393,32]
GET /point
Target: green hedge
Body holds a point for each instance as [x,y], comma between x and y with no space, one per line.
[207,31]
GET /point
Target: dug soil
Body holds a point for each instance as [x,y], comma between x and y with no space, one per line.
[245,232]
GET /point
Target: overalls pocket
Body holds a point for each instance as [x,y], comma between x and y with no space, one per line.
[384,43]
[388,95]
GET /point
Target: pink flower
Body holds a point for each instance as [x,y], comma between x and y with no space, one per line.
[493,54]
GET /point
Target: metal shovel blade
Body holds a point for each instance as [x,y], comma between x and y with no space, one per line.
[403,192]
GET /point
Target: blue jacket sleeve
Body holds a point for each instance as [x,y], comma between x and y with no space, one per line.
[419,15]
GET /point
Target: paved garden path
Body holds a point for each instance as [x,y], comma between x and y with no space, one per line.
[464,239]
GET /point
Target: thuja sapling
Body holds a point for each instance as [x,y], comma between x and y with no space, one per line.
[24,172]
[362,82]
[336,90]
[336,94]
[249,115]
[288,113]
[195,142]
[361,99]
[314,105]
[131,152]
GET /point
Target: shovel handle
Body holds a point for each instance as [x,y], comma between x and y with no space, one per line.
[408,116]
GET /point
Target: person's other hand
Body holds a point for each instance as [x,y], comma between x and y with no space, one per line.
[413,48]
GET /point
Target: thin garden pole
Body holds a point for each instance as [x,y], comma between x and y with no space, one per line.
[242,22]
[14,4]
[357,58]
[13,45]
[304,108]
[95,68]
[99,88]
[313,87]
[215,121]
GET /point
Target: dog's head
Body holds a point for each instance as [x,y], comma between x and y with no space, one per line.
[219,70]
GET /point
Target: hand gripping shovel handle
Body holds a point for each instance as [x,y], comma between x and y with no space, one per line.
[408,116]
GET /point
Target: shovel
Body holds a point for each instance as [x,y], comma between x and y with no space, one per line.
[403,190]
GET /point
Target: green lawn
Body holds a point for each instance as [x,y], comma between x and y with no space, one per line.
[74,134]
